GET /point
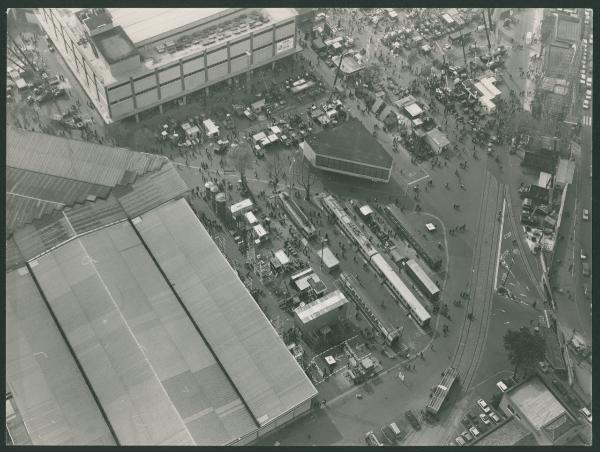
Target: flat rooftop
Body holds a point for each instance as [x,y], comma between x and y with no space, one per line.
[536,402]
[351,141]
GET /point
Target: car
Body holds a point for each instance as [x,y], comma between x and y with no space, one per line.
[474,432]
[585,269]
[588,92]
[502,386]
[495,417]
[372,439]
[585,214]
[485,419]
[588,82]
[447,46]
[467,436]
[582,80]
[460,441]
[582,255]
[586,104]
[484,406]
[586,413]
[466,421]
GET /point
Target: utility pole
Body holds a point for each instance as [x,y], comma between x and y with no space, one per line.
[462,43]
[487,33]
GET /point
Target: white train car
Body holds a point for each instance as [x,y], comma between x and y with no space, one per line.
[400,290]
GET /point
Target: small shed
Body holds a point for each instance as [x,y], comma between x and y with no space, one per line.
[329,260]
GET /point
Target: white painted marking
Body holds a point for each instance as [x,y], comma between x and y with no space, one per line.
[35,199]
[418,180]
[499,246]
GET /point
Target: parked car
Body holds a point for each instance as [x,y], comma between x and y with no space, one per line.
[495,417]
[413,420]
[502,386]
[586,413]
[474,432]
[585,215]
[585,269]
[372,439]
[466,421]
[582,255]
[467,436]
[483,405]
[460,441]
[485,419]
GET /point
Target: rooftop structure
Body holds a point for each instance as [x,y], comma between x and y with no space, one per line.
[147,344]
[568,29]
[540,411]
[349,149]
[320,307]
[115,45]
[437,140]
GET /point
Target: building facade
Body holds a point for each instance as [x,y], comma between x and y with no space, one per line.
[131,60]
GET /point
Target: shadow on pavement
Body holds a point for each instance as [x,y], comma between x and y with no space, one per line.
[315,428]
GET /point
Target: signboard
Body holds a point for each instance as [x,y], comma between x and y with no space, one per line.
[285,45]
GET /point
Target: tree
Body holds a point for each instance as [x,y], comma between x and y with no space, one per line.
[275,169]
[524,348]
[305,177]
[242,160]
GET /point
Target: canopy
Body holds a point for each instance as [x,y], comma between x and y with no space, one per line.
[282,257]
[260,231]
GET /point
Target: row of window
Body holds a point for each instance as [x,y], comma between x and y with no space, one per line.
[178,78]
[352,167]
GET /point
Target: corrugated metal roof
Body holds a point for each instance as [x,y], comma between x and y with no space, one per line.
[137,344]
[73,159]
[151,190]
[51,188]
[43,234]
[21,211]
[268,378]
[14,258]
[94,214]
[50,392]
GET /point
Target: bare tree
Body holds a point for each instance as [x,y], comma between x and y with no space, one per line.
[305,177]
[242,160]
[275,168]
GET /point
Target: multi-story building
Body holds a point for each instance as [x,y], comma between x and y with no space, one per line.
[129,60]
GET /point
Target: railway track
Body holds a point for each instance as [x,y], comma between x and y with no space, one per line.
[522,250]
[471,344]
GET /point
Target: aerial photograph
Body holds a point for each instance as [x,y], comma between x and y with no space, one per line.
[280,226]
